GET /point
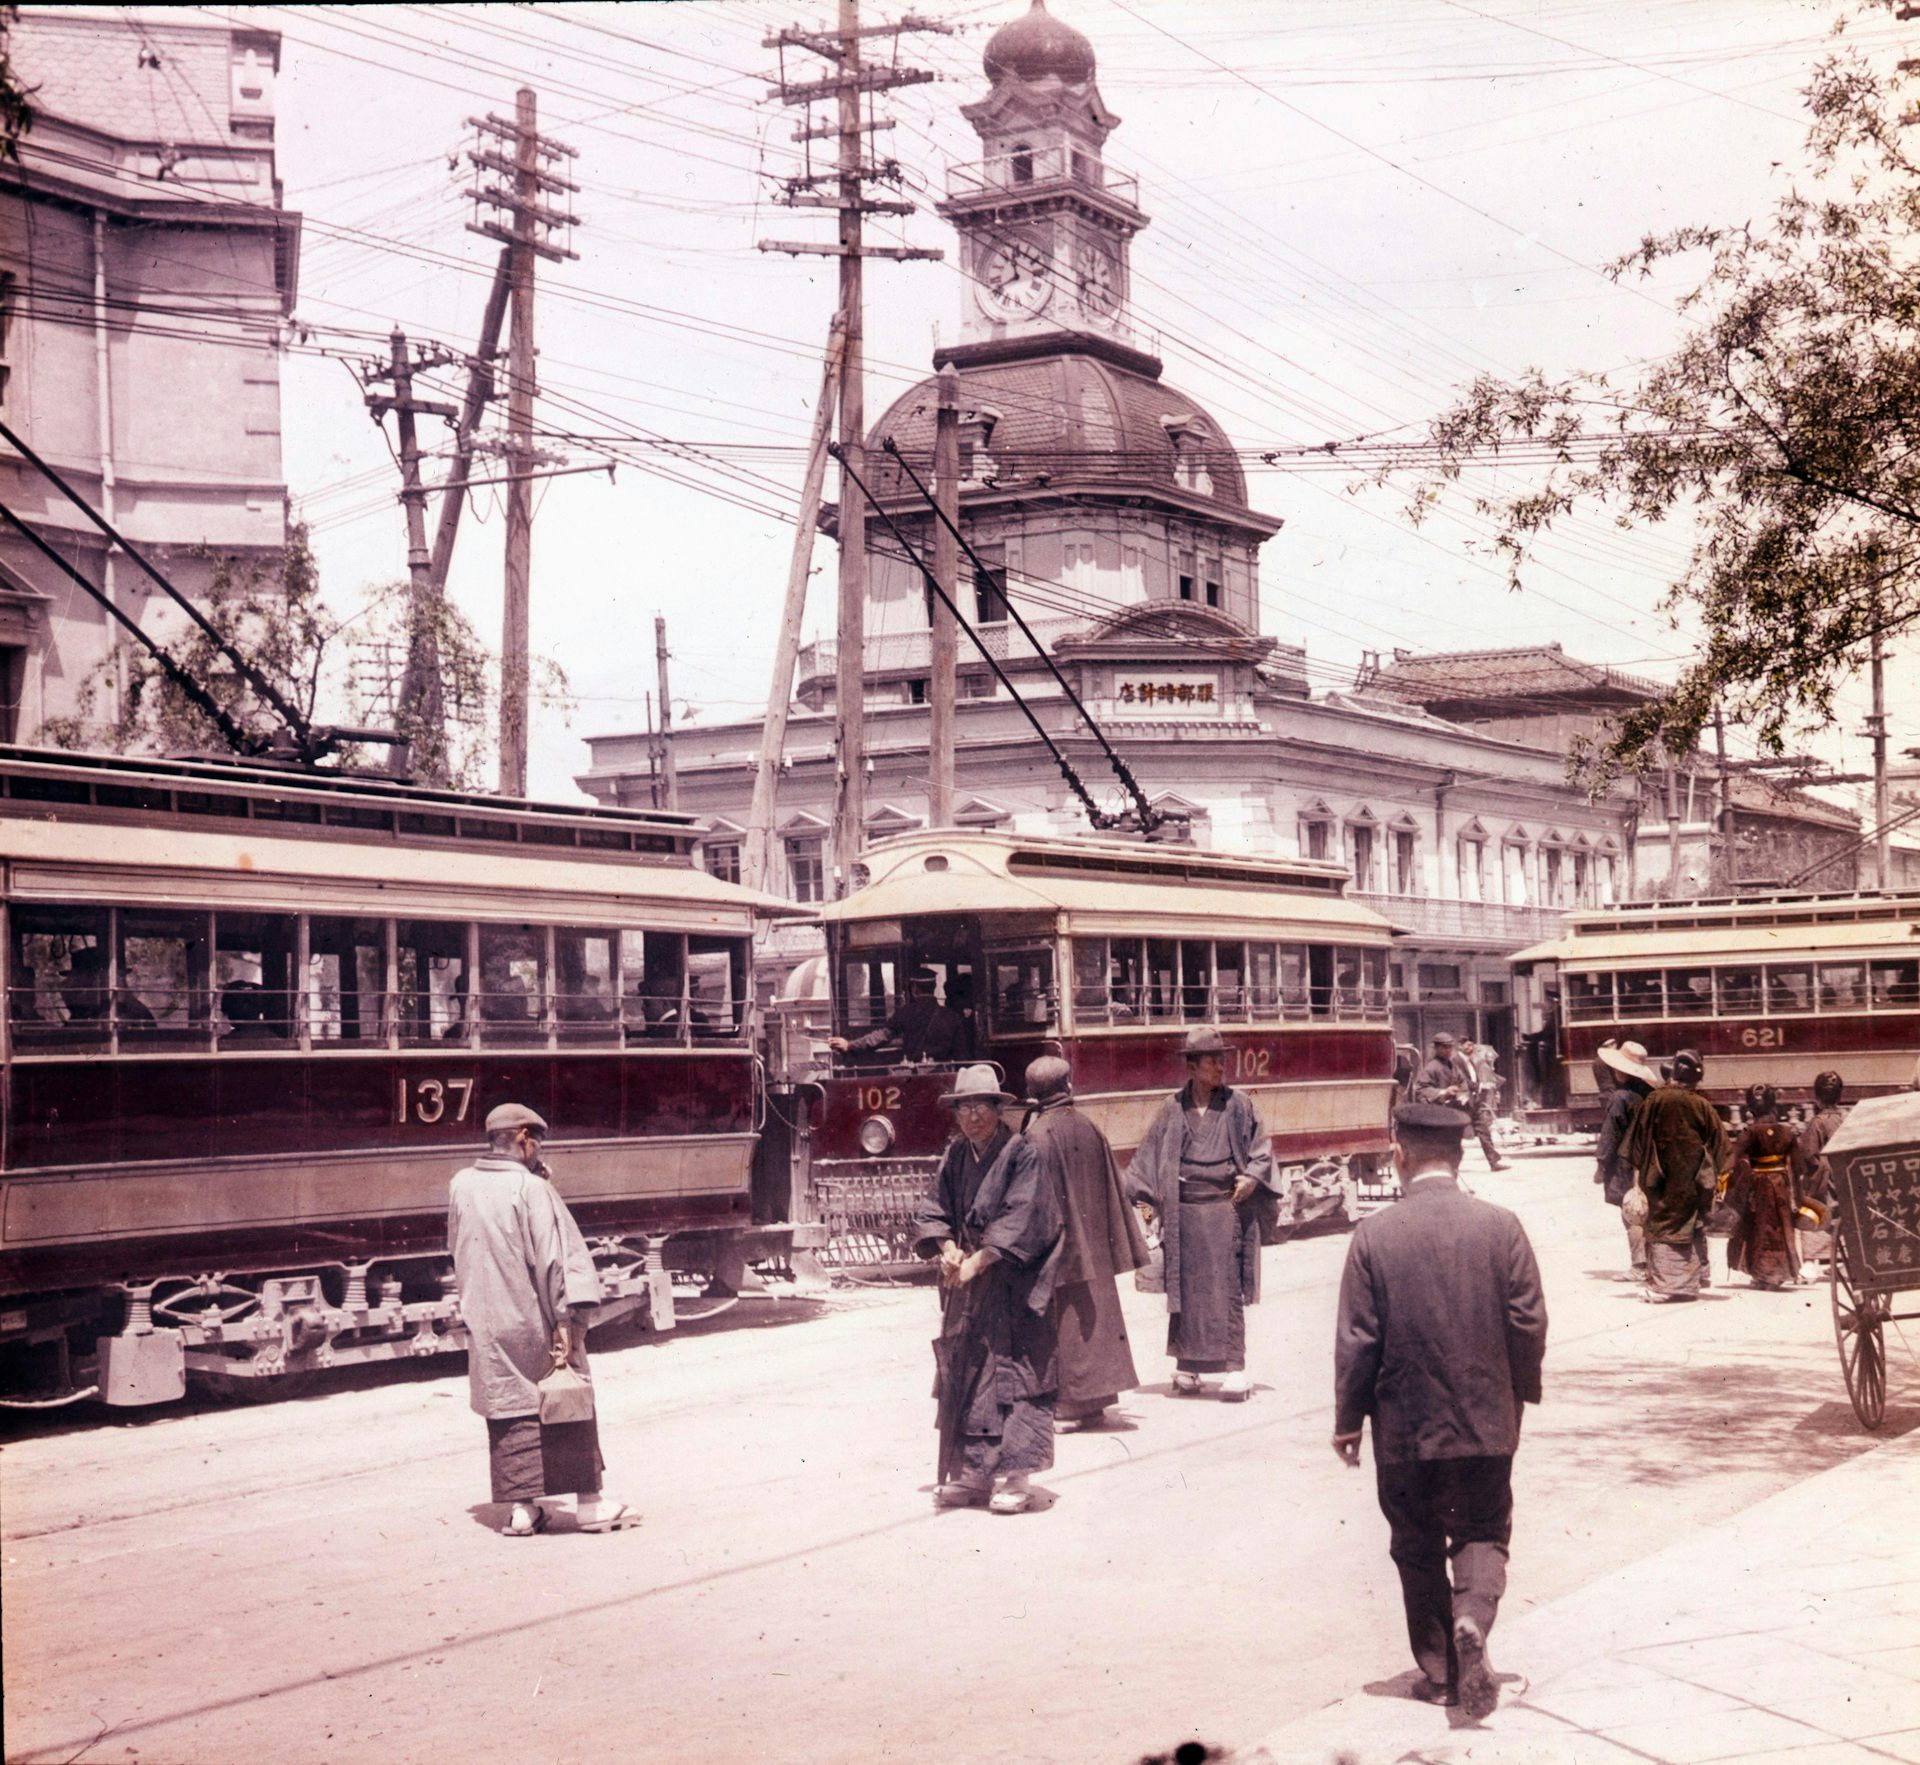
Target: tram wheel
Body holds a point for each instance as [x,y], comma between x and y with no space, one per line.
[1857,1322]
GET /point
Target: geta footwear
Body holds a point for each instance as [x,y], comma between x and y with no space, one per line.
[1186,1384]
[1478,1691]
[527,1521]
[962,1492]
[1012,1497]
[595,1517]
[1236,1388]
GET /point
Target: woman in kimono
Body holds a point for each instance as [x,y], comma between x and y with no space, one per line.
[993,1218]
[1760,1191]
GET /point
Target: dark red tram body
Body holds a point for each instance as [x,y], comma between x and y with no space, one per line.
[1107,952]
[255,1020]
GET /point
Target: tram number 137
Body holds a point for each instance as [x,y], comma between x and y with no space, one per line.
[435,1100]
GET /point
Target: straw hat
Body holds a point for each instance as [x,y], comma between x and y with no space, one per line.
[978,1084]
[1630,1058]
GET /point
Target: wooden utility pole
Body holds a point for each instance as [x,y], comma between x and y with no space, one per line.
[527,234]
[848,85]
[669,778]
[1730,854]
[756,857]
[942,684]
[1877,729]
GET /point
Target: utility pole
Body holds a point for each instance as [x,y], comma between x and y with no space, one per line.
[1730,855]
[528,234]
[942,685]
[1877,729]
[847,85]
[669,778]
[420,679]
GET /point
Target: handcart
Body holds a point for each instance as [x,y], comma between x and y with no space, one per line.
[1875,1159]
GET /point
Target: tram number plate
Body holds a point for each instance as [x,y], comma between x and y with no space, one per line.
[879,1097]
[1252,1063]
[435,1100]
[1766,1035]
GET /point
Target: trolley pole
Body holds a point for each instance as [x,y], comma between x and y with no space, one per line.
[942,687]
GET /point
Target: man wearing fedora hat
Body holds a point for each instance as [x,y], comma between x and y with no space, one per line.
[992,1217]
[1626,1065]
[1204,1171]
[527,1292]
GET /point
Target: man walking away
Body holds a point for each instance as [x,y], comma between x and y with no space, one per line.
[527,1291]
[1479,1060]
[1205,1171]
[1441,1335]
[1677,1148]
[1103,1239]
[1632,1079]
[992,1217]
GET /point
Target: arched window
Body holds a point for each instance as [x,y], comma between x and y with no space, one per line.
[1022,161]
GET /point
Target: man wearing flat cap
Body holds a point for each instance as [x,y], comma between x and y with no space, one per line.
[1103,1239]
[924,1028]
[1204,1171]
[992,1217]
[1442,1330]
[527,1292]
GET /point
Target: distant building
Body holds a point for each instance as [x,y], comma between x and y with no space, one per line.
[146,266]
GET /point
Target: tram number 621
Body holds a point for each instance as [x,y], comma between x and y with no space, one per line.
[434,1100]
[1763,1036]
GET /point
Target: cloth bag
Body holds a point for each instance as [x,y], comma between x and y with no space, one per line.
[1633,1209]
[565,1396]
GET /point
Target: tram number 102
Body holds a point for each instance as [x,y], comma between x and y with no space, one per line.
[434,1100]
[1252,1063]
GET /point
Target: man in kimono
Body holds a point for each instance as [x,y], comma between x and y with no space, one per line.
[527,1292]
[992,1217]
[1442,1331]
[1103,1239]
[1632,1078]
[1205,1173]
[1678,1147]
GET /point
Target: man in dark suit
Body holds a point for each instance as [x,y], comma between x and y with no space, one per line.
[1442,1331]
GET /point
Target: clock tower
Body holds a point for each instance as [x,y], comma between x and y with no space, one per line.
[1044,223]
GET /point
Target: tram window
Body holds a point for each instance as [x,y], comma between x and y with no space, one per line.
[1347,971]
[869,986]
[653,984]
[1127,978]
[1739,990]
[1789,988]
[1196,979]
[1589,997]
[163,990]
[1378,999]
[433,981]
[1020,996]
[1689,992]
[586,997]
[1092,1002]
[1263,980]
[1842,985]
[1162,990]
[346,980]
[1295,991]
[1229,980]
[1320,980]
[717,986]
[1641,995]
[58,976]
[253,956]
[513,960]
[1894,983]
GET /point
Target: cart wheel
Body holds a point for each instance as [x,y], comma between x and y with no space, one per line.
[1857,1320]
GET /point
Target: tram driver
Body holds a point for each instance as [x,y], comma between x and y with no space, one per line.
[924,1028]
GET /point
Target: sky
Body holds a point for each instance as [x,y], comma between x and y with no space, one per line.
[1357,206]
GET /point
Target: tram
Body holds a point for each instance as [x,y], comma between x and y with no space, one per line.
[1107,952]
[1770,989]
[256,1018]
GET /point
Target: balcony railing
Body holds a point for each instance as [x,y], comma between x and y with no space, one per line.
[894,651]
[1477,922]
[1043,165]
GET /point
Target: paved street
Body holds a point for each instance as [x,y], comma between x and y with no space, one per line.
[315,1580]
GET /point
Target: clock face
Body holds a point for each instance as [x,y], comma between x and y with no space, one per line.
[1016,280]
[1099,281]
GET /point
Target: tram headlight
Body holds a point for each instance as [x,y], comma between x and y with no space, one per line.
[876,1135]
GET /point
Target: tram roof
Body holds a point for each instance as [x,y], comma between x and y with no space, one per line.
[1768,926]
[1103,886]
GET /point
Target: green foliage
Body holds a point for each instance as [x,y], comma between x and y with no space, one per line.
[1786,427]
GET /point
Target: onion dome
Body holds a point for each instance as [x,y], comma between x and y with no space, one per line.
[1036,47]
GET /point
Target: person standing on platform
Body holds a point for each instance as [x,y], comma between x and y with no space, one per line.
[1677,1148]
[924,1028]
[1626,1065]
[1442,1332]
[992,1217]
[1205,1172]
[527,1291]
[1103,1239]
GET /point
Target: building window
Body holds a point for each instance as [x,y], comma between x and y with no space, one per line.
[990,587]
[806,870]
[916,692]
[1185,577]
[1023,164]
[1582,880]
[1440,980]
[1513,857]
[1473,869]
[9,295]
[723,861]
[1211,575]
[1406,868]
[1360,847]
[1316,837]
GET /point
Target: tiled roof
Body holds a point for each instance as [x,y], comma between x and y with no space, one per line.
[1531,671]
[1762,798]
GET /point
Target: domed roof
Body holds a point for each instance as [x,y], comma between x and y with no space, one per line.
[1035,46]
[1069,417]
